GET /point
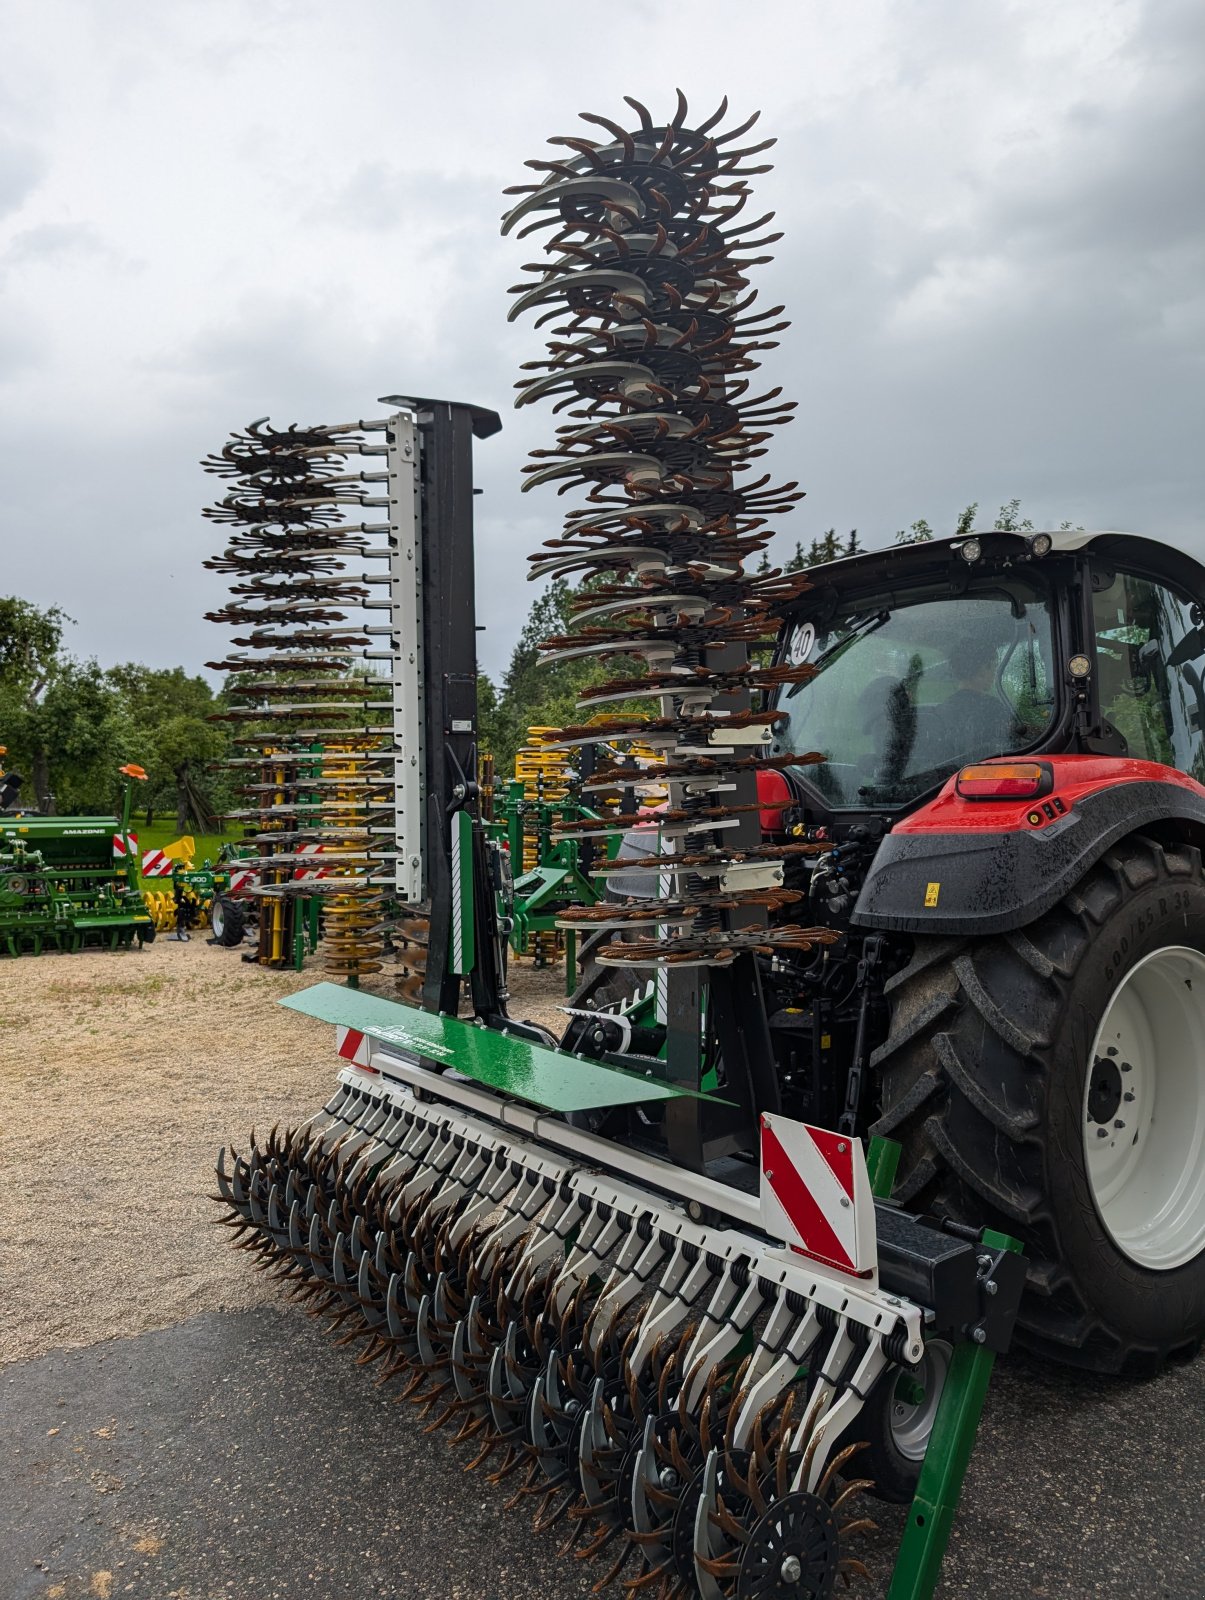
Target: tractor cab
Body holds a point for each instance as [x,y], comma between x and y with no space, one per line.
[929,657]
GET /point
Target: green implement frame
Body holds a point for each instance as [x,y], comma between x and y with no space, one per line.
[61,886]
[935,1504]
[551,1079]
[559,878]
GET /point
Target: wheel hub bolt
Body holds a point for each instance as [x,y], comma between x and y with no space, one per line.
[668,1478]
[791,1570]
[1102,1133]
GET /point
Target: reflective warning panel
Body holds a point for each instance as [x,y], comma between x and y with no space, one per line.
[815,1195]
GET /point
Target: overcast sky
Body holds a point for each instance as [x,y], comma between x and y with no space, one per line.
[994,259]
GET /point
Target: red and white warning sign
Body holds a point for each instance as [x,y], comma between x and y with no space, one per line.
[155,864]
[306,871]
[353,1046]
[815,1195]
[119,845]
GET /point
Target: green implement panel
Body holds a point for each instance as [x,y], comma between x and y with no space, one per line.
[552,1079]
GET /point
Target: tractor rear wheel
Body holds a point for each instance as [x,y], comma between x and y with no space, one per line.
[598,987]
[1051,1082]
[229,918]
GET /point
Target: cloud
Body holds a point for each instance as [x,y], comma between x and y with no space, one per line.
[21,170]
[21,350]
[51,240]
[993,259]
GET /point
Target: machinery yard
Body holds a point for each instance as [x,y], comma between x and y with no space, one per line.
[711,1107]
[191,1436]
[97,1052]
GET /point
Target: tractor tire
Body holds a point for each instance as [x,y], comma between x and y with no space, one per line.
[229,920]
[599,987]
[1006,1078]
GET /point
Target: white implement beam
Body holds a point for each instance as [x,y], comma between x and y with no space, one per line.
[405,627]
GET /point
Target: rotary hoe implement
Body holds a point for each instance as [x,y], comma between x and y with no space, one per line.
[712,1279]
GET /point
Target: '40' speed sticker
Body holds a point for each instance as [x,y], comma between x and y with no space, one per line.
[803,642]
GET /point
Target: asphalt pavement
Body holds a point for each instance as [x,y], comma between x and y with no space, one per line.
[239,1456]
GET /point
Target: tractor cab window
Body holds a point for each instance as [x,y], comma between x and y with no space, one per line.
[1150,671]
[907,690]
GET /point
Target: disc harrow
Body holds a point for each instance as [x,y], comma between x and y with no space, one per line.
[619,1273]
[304,697]
[649,264]
[676,1395]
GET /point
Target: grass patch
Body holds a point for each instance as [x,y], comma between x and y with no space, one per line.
[94,993]
[162,833]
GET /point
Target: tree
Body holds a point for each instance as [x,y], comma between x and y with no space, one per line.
[966,520]
[30,650]
[828,547]
[167,712]
[534,691]
[1008,519]
[80,732]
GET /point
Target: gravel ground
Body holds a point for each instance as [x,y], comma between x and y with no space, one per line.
[240,1457]
[121,1074]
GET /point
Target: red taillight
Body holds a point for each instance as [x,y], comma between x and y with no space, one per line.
[1003,780]
[774,796]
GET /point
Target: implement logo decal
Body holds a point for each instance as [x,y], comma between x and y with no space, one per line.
[392,1034]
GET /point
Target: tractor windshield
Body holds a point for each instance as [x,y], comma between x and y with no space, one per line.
[908,691]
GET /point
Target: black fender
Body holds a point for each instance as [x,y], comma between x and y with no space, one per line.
[991,883]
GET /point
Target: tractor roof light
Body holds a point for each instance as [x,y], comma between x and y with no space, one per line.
[970,550]
[1004,780]
[1041,545]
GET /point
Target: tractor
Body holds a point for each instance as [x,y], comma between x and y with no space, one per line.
[887,1031]
[1012,798]
[1010,807]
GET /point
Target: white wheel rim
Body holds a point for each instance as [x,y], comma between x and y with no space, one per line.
[1144,1111]
[912,1420]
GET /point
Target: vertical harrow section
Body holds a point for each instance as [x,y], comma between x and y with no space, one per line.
[679,1398]
[312,557]
[650,253]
